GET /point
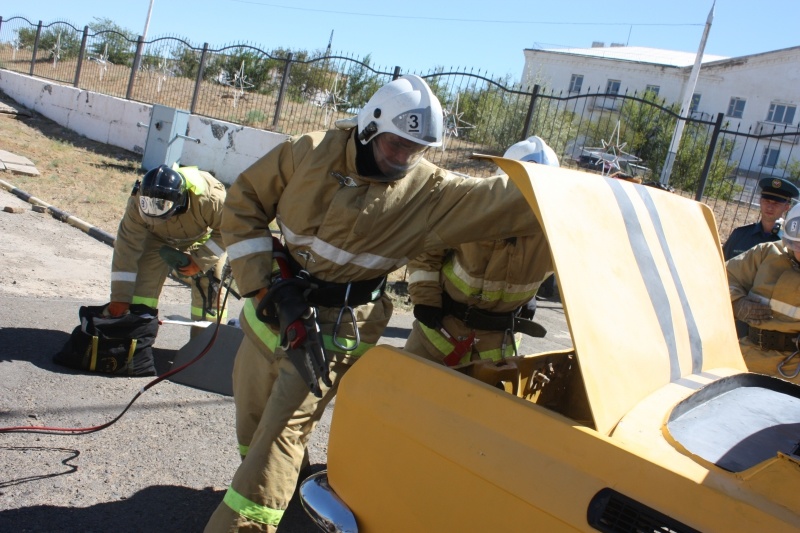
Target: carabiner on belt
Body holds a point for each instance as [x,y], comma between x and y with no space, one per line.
[506,334]
[346,307]
[786,361]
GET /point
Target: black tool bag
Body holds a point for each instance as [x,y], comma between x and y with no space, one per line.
[112,345]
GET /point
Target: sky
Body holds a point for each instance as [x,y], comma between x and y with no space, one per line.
[418,35]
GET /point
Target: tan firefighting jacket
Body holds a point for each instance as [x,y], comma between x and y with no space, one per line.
[765,273]
[496,276]
[342,227]
[197,231]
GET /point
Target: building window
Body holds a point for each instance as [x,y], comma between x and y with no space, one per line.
[653,89]
[695,103]
[781,113]
[736,107]
[576,83]
[770,156]
[612,87]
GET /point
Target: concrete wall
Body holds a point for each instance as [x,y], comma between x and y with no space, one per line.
[225,149]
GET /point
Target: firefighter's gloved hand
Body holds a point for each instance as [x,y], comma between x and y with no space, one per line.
[429,315]
[116,309]
[189,270]
[751,311]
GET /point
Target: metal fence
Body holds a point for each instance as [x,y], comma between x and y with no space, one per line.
[295,92]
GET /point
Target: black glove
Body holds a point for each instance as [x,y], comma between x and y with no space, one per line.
[429,315]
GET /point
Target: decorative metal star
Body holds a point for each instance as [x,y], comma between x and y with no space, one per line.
[453,123]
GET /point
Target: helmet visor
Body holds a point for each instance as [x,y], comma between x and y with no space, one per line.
[155,207]
[395,155]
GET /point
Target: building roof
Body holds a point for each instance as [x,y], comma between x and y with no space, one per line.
[639,54]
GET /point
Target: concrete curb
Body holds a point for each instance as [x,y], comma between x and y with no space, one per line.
[63,216]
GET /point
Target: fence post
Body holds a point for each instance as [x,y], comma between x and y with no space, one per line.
[36,45]
[137,60]
[712,146]
[284,85]
[200,71]
[527,126]
[396,73]
[80,56]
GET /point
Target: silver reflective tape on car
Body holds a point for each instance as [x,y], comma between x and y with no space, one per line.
[129,277]
[249,246]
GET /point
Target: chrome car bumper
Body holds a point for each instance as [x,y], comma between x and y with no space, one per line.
[324,507]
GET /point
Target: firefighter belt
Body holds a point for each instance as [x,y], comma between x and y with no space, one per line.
[772,340]
[475,318]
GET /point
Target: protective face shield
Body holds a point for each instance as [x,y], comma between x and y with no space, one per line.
[533,149]
[396,156]
[161,194]
[790,233]
[402,113]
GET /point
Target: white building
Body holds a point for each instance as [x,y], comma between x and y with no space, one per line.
[751,91]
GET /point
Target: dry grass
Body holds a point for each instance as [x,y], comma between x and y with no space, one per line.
[84,178]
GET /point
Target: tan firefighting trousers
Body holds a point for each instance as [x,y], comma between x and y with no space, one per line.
[280,414]
[767,361]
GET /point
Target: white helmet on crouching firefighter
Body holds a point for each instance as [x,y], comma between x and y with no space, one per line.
[162,194]
[403,118]
[533,149]
[790,233]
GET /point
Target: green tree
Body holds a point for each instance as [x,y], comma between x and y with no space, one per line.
[247,67]
[187,61]
[113,42]
[690,159]
[792,169]
[362,82]
[26,37]
[52,41]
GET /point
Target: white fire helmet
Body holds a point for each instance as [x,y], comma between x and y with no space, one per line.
[533,149]
[790,233]
[406,107]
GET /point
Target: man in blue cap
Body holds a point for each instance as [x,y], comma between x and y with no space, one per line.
[776,197]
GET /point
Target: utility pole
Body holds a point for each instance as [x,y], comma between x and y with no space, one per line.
[688,93]
[330,42]
[147,22]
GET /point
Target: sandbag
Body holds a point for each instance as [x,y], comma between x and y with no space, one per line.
[112,345]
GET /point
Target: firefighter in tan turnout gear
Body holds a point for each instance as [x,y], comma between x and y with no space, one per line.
[472,302]
[176,208]
[765,291]
[353,204]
